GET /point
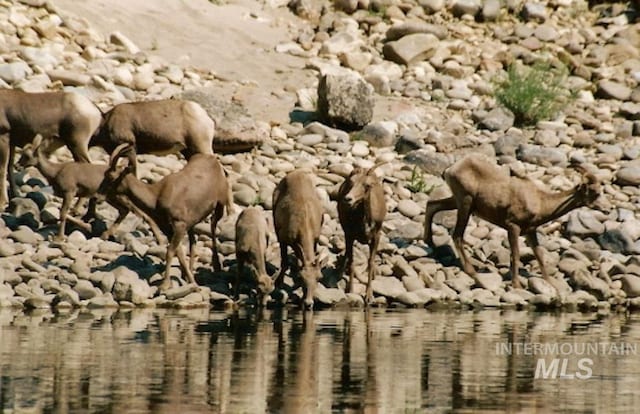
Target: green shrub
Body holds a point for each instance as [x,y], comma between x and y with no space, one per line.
[533,93]
[417,184]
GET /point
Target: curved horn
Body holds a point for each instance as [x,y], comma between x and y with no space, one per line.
[376,166]
[586,174]
[119,152]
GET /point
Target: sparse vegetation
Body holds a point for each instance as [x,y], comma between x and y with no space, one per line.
[379,11]
[417,184]
[533,93]
[357,136]
[257,201]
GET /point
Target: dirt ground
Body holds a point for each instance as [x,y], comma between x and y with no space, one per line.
[235,39]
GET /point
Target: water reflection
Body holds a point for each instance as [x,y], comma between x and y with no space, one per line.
[382,361]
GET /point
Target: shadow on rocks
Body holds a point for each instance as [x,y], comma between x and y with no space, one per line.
[445,255]
[143,266]
[302,116]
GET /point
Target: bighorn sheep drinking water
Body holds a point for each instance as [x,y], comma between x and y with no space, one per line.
[251,245]
[66,116]
[361,210]
[518,205]
[297,218]
[157,127]
[176,203]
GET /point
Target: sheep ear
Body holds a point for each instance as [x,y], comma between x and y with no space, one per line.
[37,141]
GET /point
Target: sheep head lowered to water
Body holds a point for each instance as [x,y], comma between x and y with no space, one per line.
[251,245]
[297,218]
[516,204]
[361,210]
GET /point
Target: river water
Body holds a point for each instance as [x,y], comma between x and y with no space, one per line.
[289,361]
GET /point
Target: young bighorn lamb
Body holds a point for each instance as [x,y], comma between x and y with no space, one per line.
[361,210]
[176,203]
[251,245]
[66,116]
[297,218]
[518,205]
[157,127]
[77,179]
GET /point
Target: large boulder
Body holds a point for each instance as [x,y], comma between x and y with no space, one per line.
[345,100]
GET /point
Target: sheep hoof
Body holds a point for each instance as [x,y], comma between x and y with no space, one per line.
[355,301]
[231,306]
[280,297]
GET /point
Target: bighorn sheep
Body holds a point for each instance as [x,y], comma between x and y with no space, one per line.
[176,203]
[297,218]
[251,245]
[157,127]
[67,116]
[518,205]
[77,179]
[361,210]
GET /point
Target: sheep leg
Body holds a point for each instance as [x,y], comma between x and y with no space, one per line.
[13,187]
[166,282]
[151,222]
[464,212]
[183,263]
[532,239]
[91,210]
[4,167]
[78,207]
[348,262]
[173,247]
[217,215]
[192,250]
[284,264]
[122,213]
[432,208]
[513,232]
[133,161]
[86,227]
[308,285]
[128,204]
[64,212]
[373,248]
[79,147]
[239,272]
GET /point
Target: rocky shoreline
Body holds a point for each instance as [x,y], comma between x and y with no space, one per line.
[430,66]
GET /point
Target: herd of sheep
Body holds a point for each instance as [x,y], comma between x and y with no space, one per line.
[42,122]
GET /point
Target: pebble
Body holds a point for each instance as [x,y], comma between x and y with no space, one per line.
[409,208]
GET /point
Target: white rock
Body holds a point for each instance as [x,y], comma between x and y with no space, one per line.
[360,149]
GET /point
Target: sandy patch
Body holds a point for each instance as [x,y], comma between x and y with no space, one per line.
[236,40]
